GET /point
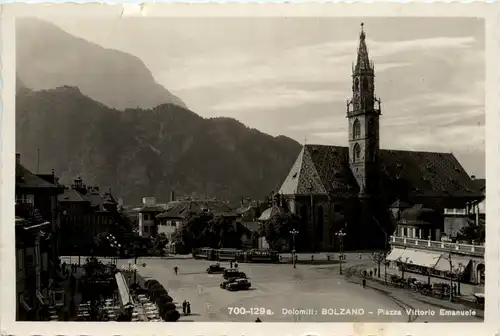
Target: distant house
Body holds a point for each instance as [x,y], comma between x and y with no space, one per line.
[177,213]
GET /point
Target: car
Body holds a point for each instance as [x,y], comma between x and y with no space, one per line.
[239,284]
[224,283]
[213,269]
[233,273]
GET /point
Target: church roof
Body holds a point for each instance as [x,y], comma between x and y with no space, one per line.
[270,212]
[324,170]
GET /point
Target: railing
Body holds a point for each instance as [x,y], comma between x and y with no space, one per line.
[432,244]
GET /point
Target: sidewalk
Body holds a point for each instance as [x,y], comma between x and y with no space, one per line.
[465,289]
[408,297]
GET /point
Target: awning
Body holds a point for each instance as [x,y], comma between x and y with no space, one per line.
[459,264]
[123,291]
[395,254]
[420,258]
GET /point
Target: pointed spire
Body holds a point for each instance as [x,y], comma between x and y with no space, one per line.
[363,61]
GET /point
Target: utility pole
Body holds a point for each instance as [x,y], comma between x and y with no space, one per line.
[293,232]
[341,234]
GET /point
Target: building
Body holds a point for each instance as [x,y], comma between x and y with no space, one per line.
[352,188]
[37,228]
[86,213]
[178,212]
[148,224]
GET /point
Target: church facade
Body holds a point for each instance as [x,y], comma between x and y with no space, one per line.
[360,188]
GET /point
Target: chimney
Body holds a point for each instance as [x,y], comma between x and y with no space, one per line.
[172,196]
[18,158]
[473,177]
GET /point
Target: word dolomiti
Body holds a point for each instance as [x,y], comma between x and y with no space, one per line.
[249,311]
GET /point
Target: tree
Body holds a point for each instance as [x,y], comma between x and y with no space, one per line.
[378,257]
[160,241]
[473,232]
[277,229]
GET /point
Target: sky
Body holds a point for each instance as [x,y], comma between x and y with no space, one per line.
[292,76]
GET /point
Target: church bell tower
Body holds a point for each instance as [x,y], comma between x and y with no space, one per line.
[363,114]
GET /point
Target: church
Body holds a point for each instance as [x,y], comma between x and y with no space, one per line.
[359,188]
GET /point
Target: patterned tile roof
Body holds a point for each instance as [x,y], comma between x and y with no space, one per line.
[409,173]
[181,209]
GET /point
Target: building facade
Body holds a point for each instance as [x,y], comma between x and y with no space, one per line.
[85,214]
[37,229]
[354,188]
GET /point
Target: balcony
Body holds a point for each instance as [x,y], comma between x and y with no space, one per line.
[475,250]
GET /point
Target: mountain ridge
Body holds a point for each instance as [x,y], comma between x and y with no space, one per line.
[148,152]
[115,78]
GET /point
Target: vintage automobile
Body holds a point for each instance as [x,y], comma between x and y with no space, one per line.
[479,298]
[233,273]
[239,284]
[224,283]
[214,269]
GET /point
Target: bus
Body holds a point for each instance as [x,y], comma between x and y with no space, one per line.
[204,253]
[230,254]
[262,255]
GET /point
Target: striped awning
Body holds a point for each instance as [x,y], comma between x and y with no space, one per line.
[421,258]
[458,263]
[395,254]
[123,291]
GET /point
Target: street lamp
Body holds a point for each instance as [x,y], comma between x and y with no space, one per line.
[293,232]
[341,234]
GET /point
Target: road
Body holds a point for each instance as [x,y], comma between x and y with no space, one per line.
[319,293]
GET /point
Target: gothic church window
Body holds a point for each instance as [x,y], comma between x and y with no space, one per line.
[356,129]
[320,223]
[365,84]
[357,152]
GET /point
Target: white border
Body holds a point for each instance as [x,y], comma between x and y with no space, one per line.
[490,12]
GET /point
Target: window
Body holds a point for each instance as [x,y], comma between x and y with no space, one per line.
[365,84]
[356,152]
[146,229]
[356,129]
[25,198]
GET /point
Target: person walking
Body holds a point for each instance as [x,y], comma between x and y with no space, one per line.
[235,264]
[364,282]
[188,308]
[184,306]
[176,270]
[231,264]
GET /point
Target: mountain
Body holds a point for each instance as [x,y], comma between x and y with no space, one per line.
[47,57]
[147,152]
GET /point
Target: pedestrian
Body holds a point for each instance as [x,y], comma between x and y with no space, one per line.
[371,273]
[235,264]
[188,308]
[454,289]
[364,283]
[359,256]
[176,270]
[231,264]
[184,306]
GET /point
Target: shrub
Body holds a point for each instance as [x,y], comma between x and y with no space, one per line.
[150,283]
[171,315]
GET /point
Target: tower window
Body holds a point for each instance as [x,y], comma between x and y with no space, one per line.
[356,152]
[356,129]
[365,84]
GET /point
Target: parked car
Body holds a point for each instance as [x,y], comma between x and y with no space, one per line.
[213,269]
[224,283]
[239,284]
[233,273]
